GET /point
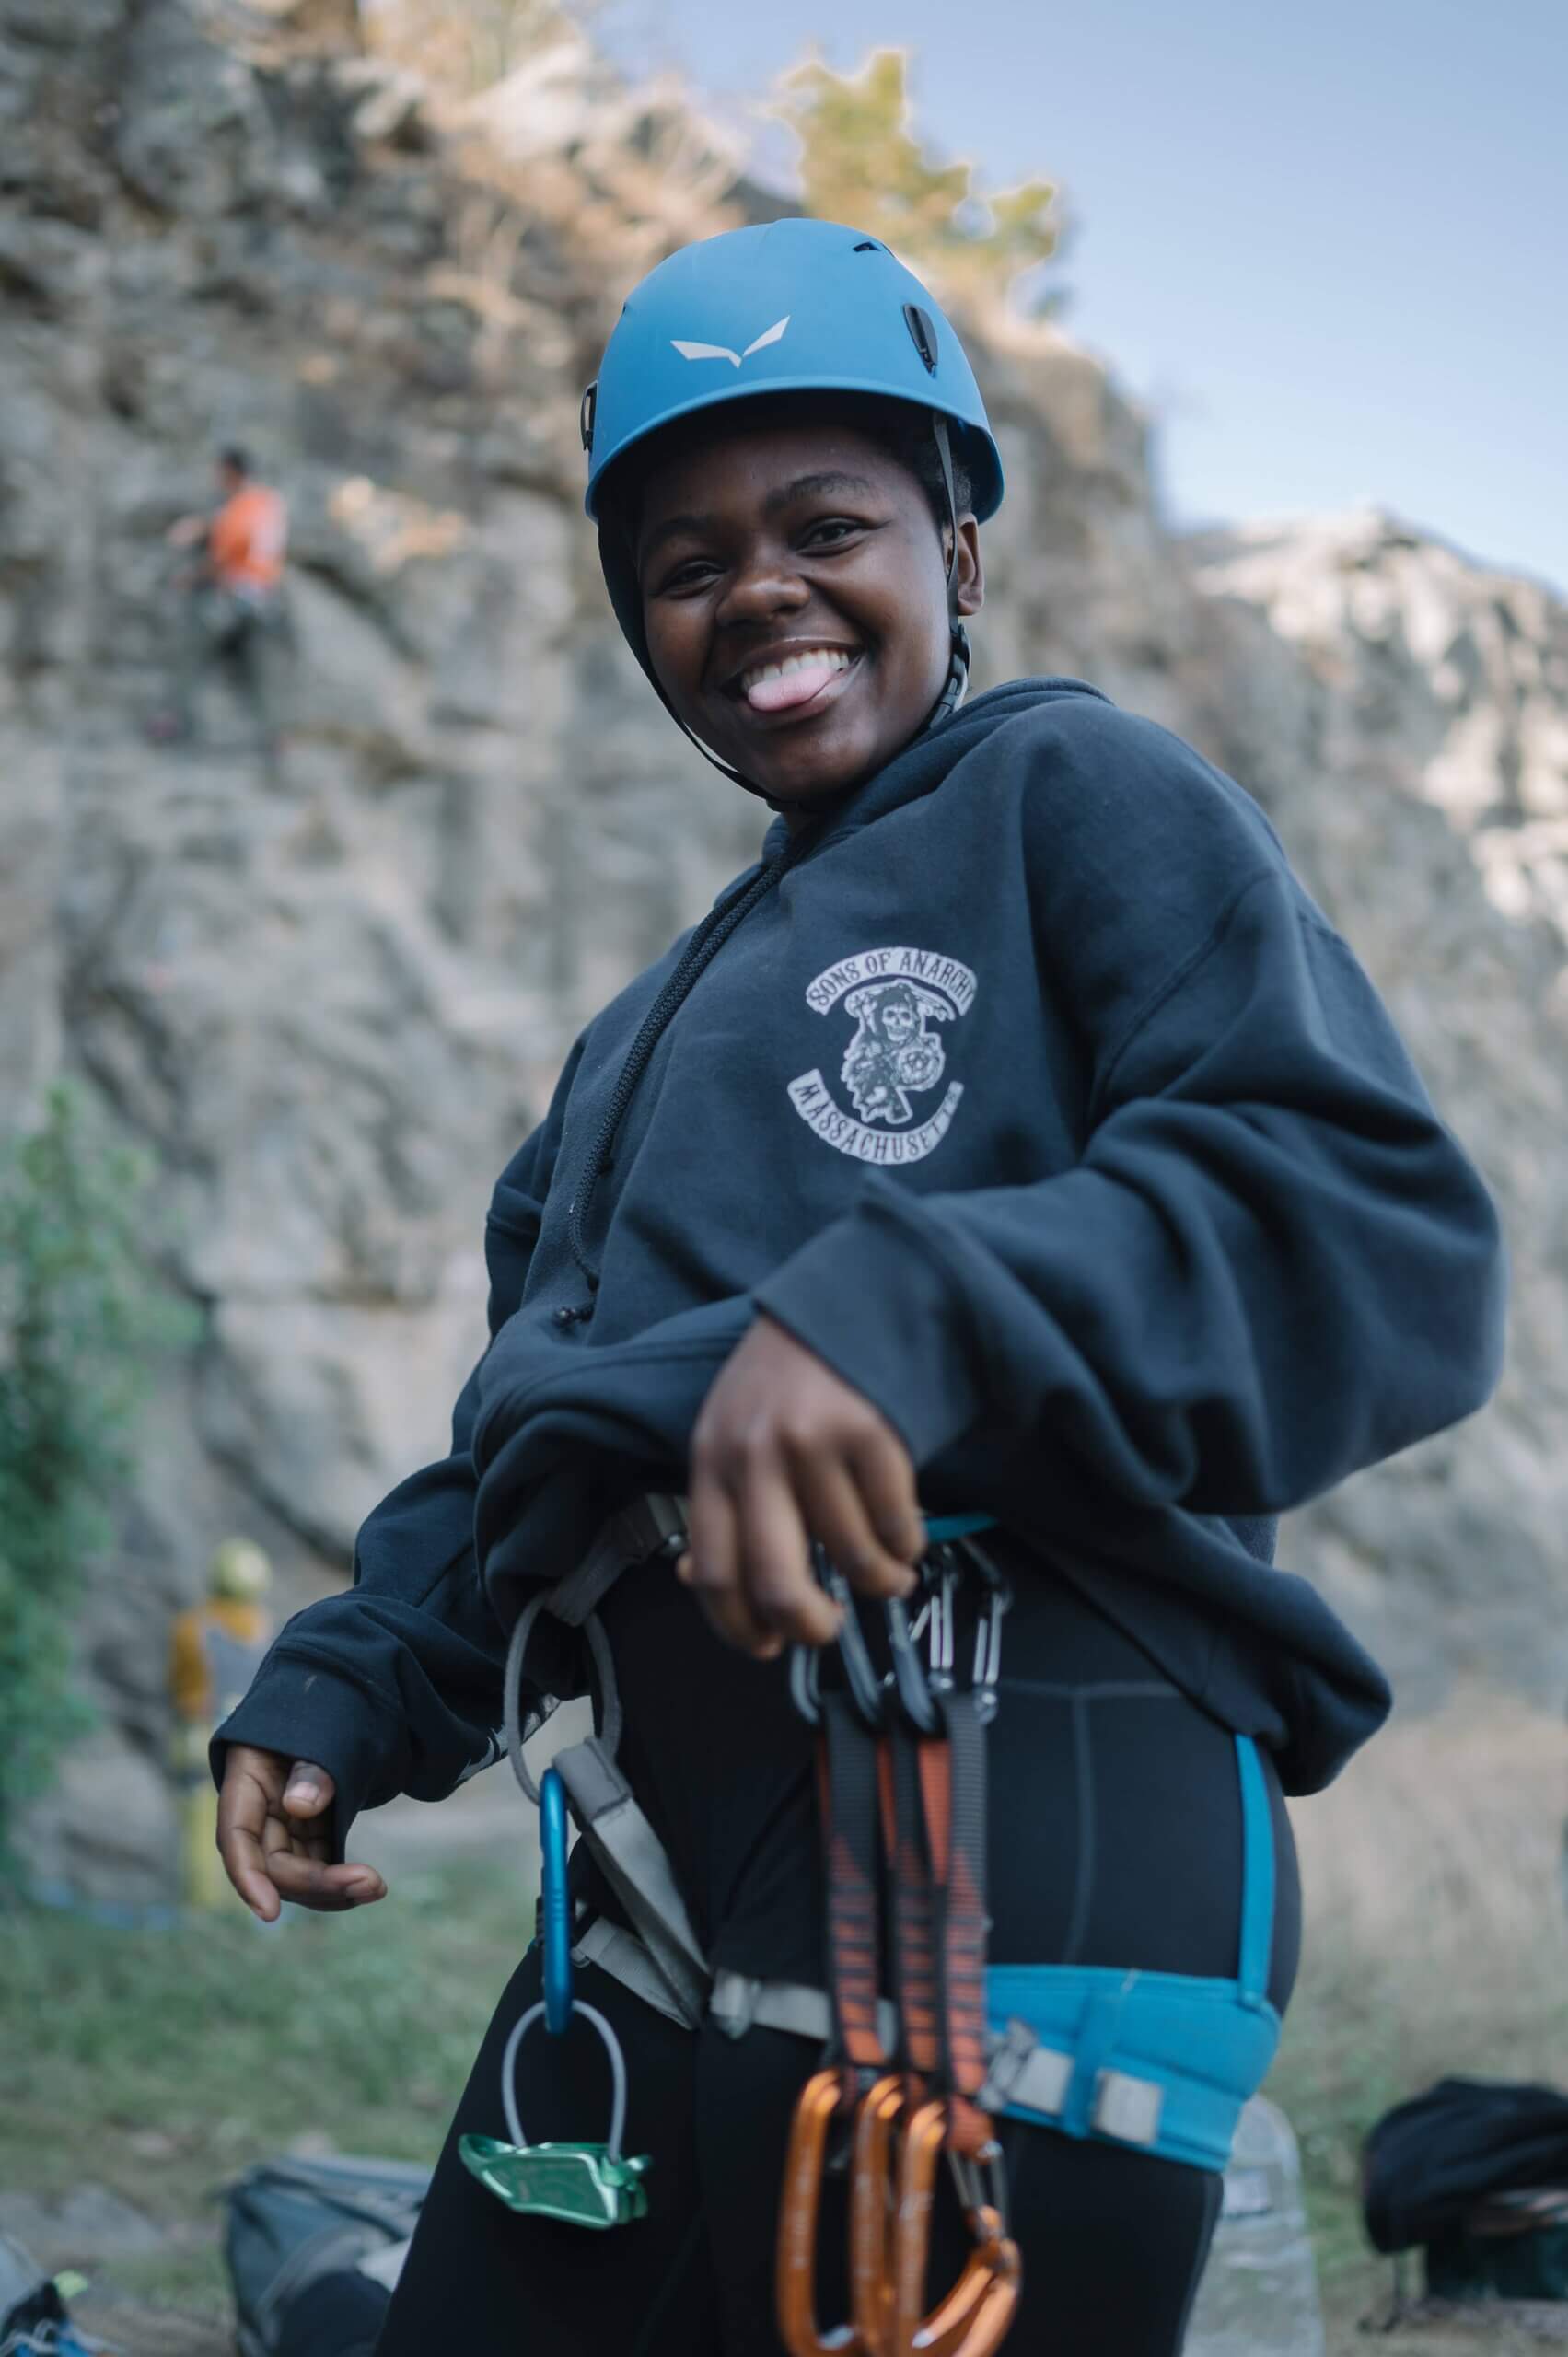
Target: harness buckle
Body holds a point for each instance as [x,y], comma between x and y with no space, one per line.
[654,1525]
[1126,2108]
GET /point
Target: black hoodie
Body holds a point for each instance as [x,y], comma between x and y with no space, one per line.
[1031,1090]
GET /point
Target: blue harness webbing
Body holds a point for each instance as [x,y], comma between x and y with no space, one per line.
[1161,2060]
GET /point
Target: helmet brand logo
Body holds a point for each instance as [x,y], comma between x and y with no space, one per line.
[723,352]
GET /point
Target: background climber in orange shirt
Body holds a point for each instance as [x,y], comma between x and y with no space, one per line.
[231,606]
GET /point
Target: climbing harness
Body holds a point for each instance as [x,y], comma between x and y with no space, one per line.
[581,2184]
[1155,2062]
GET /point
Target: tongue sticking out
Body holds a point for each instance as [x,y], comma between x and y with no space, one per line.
[792,688]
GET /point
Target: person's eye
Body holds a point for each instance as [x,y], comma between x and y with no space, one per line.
[695,573]
[830,531]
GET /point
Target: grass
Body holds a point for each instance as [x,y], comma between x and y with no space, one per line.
[159,2064]
[1435,1945]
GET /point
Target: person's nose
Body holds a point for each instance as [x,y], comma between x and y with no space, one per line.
[763,584]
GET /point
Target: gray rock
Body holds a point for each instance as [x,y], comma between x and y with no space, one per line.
[63,24]
[1259,2295]
[331,1007]
[89,2224]
[191,122]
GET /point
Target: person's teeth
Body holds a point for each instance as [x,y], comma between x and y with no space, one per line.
[833,657]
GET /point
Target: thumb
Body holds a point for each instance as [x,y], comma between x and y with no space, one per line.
[308,1790]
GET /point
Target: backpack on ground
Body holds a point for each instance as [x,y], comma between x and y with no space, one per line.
[34,2322]
[1474,2171]
[293,2224]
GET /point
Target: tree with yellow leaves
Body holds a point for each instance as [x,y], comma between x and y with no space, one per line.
[861,162]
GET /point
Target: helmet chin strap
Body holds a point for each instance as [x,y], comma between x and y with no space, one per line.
[620,574]
[957,681]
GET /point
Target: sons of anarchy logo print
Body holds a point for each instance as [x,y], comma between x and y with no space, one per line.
[895,999]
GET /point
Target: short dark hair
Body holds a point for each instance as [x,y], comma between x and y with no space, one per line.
[234,458]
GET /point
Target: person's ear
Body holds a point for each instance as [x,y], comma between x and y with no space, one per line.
[968,575]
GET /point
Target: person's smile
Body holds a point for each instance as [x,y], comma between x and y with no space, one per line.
[795,601]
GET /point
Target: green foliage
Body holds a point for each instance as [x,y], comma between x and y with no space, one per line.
[80,1314]
[861,162]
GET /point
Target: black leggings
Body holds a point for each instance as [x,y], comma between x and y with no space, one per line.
[1118,1841]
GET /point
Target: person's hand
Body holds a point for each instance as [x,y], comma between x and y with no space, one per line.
[272,1836]
[187,531]
[784,1452]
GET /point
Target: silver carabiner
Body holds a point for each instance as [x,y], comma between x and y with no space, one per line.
[988,1629]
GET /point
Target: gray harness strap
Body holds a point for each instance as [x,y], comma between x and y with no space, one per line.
[637,1866]
[621,1954]
[664,1962]
[652,1524]
[739,2003]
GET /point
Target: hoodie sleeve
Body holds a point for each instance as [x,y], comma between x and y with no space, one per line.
[1272,1264]
[394,1685]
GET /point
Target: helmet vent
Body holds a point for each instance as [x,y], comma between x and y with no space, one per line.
[922,334]
[868,246]
[586,415]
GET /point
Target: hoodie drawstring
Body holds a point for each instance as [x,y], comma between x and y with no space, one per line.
[703,947]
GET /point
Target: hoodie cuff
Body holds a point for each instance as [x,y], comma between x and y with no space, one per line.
[875,1298]
[303,1712]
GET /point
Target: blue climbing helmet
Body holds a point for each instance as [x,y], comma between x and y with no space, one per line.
[793,307]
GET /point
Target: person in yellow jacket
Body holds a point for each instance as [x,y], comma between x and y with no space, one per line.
[216,1648]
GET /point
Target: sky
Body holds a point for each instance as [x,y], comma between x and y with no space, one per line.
[1326,247]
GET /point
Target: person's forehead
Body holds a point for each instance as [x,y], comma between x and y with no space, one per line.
[761,457]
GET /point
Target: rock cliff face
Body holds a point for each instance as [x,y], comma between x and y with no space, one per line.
[331,1007]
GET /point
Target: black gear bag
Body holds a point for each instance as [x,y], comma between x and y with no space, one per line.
[1435,2171]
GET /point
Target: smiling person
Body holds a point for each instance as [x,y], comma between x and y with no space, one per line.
[1016,1141]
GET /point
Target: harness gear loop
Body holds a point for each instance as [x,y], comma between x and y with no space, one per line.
[516,1730]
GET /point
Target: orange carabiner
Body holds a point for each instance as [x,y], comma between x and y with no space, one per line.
[822,2097]
[871,2210]
[974,2317]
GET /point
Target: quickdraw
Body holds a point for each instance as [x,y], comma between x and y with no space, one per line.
[903,1759]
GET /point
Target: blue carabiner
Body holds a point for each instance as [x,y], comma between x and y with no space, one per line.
[554,1903]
